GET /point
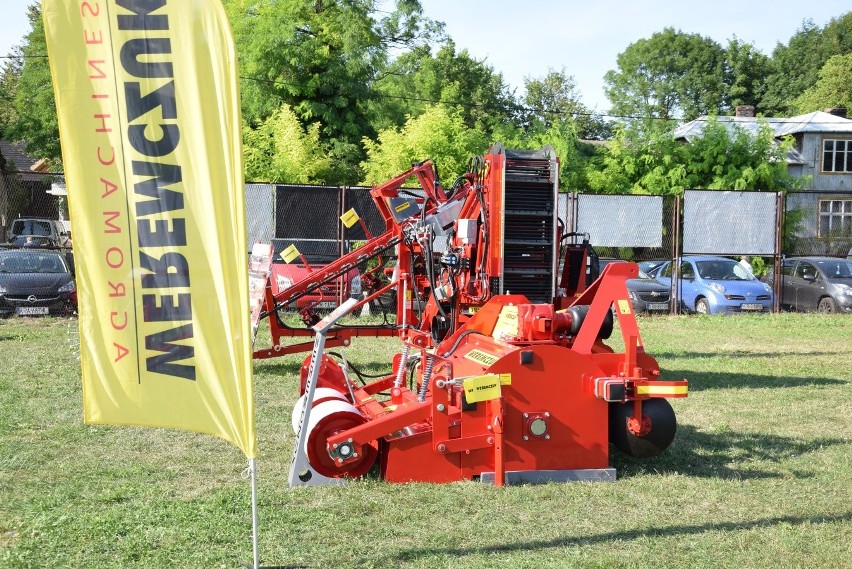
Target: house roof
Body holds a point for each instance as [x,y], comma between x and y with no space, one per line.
[17,160]
[817,121]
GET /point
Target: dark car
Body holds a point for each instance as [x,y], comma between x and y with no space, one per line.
[822,284]
[35,282]
[647,295]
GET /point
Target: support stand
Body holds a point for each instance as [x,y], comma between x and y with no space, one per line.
[301,473]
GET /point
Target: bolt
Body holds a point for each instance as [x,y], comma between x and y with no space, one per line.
[442,448]
[340,461]
[490,440]
[440,407]
[547,414]
[526,438]
[547,437]
[526,415]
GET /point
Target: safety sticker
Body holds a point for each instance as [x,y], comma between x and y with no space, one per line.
[624,306]
[349,218]
[290,253]
[482,387]
[402,206]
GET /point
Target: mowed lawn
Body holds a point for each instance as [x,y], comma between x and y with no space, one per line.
[759,474]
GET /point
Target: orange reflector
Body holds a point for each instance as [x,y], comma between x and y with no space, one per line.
[663,389]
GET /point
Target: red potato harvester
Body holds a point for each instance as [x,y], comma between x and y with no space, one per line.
[505,374]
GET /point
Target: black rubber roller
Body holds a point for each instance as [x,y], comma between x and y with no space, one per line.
[658,439]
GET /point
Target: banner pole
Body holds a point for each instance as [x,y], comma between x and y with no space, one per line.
[253,469]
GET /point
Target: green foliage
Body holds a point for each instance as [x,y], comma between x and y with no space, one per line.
[670,74]
[280,150]
[34,106]
[726,157]
[795,66]
[745,74]
[833,89]
[439,134]
[553,100]
[419,79]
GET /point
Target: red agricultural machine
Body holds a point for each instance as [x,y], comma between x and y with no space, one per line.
[505,372]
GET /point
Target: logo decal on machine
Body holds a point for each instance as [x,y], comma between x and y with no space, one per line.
[480,357]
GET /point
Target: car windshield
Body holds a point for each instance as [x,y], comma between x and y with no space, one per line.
[836,269]
[723,270]
[13,262]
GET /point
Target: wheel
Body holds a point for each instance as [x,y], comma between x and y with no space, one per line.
[827,305]
[702,306]
[663,426]
[327,419]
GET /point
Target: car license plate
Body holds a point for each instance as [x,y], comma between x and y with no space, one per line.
[327,304]
[751,307]
[31,310]
[658,306]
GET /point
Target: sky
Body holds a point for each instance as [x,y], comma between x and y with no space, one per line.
[525,39]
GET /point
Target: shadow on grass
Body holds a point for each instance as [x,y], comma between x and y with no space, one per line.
[704,380]
[722,455]
[395,558]
[662,355]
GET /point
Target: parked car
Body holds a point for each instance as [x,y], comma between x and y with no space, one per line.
[35,282]
[716,285]
[646,294]
[52,229]
[822,284]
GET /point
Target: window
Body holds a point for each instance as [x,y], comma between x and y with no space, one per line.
[835,218]
[836,155]
[806,270]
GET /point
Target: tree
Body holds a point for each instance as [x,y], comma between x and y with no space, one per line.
[745,74]
[418,79]
[34,106]
[281,150]
[795,67]
[554,99]
[321,58]
[726,157]
[439,133]
[833,89]
[670,74]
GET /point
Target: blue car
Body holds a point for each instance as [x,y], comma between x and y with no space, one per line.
[716,285]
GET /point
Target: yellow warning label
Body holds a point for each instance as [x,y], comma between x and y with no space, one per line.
[507,323]
[624,306]
[480,357]
[403,206]
[290,253]
[482,387]
[349,218]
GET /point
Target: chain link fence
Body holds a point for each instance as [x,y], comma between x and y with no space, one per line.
[765,226]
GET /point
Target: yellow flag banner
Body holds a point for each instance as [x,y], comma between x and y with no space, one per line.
[148,105]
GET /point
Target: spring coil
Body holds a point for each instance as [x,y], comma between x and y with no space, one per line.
[400,372]
[427,376]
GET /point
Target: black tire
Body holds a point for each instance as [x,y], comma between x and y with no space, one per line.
[702,306]
[826,305]
[661,435]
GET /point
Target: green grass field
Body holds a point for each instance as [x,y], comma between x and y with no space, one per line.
[758,476]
